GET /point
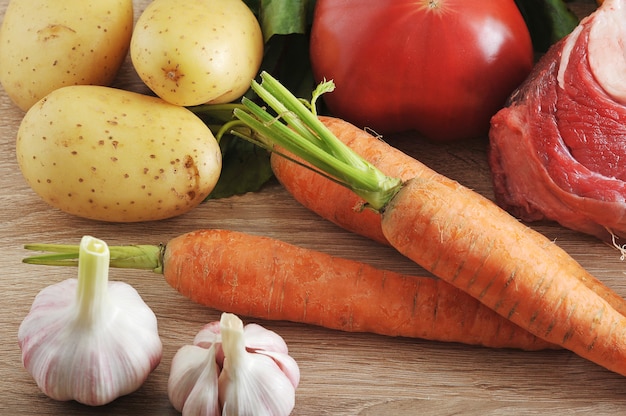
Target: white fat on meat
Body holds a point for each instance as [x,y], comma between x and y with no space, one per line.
[607,48]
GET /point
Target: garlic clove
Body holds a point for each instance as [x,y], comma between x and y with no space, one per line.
[89,339]
[264,341]
[260,338]
[192,384]
[287,365]
[208,335]
[256,388]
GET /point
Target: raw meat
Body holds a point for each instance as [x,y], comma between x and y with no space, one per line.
[558,149]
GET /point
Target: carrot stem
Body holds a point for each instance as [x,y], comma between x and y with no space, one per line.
[142,257]
[298,130]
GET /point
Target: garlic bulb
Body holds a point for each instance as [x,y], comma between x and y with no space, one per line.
[234,370]
[89,339]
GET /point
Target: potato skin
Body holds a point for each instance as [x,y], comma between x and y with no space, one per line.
[47,44]
[197,51]
[113,155]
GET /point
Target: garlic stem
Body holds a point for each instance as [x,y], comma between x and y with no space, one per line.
[92,294]
[192,384]
[233,341]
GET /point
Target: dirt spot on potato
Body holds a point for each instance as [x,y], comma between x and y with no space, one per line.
[53,32]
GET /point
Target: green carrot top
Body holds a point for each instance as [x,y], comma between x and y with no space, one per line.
[142,257]
[296,128]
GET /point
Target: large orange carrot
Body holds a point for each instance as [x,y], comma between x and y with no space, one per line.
[279,281]
[456,234]
[340,205]
[270,279]
[479,248]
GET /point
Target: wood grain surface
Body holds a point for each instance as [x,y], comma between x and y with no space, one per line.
[342,373]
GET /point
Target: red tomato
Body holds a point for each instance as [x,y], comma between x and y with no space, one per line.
[441,67]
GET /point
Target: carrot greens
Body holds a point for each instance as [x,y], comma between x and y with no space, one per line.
[141,257]
[295,127]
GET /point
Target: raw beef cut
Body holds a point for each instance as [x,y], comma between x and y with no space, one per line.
[558,149]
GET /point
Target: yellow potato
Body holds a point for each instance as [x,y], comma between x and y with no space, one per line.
[114,155]
[197,51]
[47,44]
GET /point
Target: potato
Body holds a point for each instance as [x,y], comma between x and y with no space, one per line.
[113,155]
[47,44]
[197,51]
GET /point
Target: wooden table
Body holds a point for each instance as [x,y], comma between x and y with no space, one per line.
[342,373]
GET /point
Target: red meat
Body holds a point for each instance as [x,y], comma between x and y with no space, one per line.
[558,149]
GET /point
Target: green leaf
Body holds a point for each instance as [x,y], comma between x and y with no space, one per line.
[286,28]
[282,17]
[548,21]
[245,168]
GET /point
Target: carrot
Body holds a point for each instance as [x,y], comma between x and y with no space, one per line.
[454,233]
[349,211]
[270,279]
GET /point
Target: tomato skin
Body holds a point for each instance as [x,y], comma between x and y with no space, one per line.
[401,65]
